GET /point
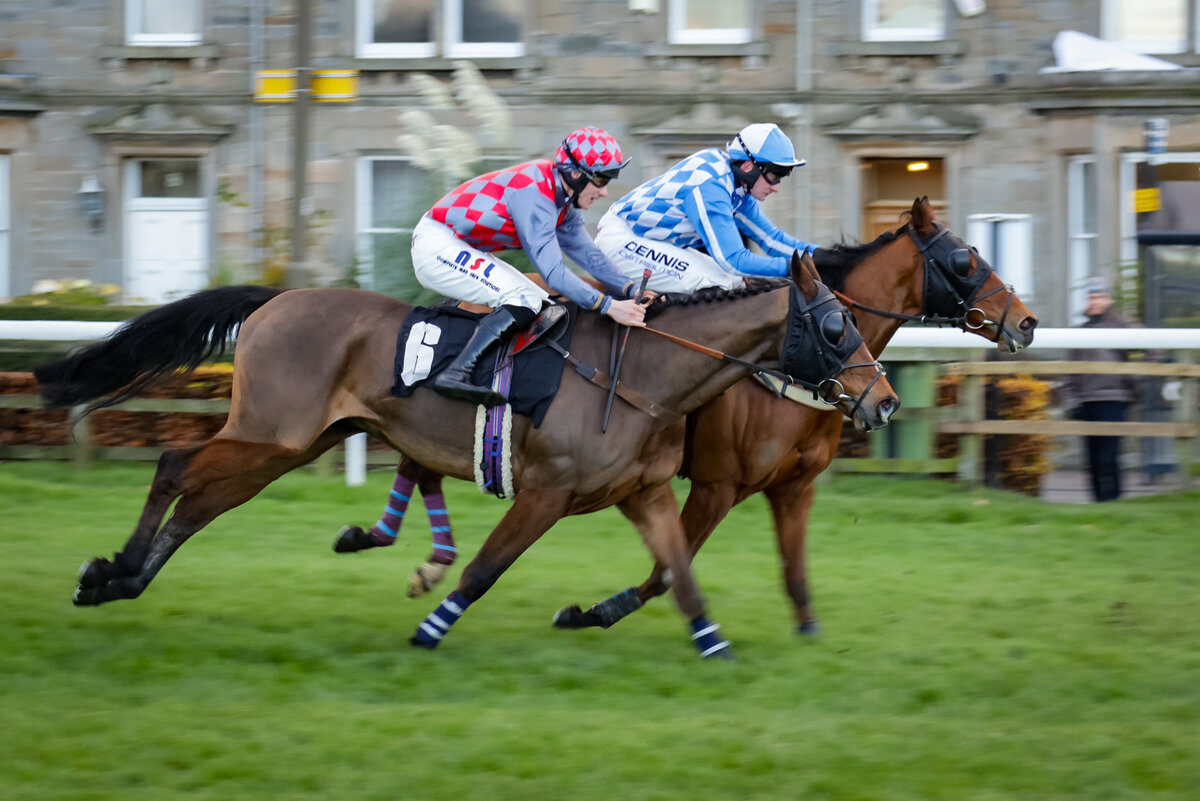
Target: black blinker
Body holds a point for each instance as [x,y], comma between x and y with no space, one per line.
[960,262]
[833,328]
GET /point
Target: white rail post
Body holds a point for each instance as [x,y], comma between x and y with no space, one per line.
[356,460]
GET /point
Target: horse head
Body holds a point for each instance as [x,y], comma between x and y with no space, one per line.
[961,288]
[823,351]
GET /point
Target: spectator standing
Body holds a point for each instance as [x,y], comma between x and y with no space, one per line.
[1098,398]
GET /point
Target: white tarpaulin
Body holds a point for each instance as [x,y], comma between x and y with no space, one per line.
[1078,52]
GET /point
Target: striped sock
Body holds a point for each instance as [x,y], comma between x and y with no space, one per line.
[444,551]
[384,532]
[707,638]
[434,627]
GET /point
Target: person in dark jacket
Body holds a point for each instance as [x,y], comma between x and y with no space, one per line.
[1101,398]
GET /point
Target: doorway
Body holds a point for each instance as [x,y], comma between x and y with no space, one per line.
[889,186]
[167,233]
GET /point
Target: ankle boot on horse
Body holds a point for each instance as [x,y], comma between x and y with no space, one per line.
[455,380]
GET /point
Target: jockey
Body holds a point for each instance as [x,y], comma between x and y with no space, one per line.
[687,225]
[534,207]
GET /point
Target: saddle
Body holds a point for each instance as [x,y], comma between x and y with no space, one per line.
[523,370]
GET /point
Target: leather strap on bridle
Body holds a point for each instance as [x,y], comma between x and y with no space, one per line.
[602,380]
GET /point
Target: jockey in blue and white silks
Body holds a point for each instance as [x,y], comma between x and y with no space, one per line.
[687,224]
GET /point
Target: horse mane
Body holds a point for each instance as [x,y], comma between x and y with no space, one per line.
[756,286]
[836,263]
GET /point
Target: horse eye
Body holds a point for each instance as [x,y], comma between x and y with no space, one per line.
[960,262]
[833,328]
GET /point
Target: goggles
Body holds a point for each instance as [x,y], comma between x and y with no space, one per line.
[771,173]
[600,178]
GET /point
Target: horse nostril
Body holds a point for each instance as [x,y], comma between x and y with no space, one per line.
[1029,323]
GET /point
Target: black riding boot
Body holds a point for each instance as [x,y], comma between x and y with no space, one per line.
[455,380]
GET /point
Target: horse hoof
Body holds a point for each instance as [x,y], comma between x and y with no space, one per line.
[425,578]
[427,644]
[91,573]
[85,596]
[572,617]
[351,539]
[809,628]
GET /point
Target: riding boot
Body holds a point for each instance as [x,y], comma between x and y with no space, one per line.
[455,380]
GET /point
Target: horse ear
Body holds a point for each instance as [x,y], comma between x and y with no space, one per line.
[804,274]
[922,216]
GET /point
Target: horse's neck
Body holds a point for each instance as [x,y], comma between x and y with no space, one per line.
[885,281]
[749,328]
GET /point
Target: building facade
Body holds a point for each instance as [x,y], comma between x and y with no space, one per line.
[133,150]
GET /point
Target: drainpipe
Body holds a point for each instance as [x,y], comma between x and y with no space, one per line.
[300,135]
[257,182]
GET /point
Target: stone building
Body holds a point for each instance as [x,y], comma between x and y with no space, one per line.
[133,151]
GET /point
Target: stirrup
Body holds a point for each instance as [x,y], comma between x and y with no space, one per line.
[464,390]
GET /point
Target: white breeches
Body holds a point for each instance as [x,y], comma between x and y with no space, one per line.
[673,269]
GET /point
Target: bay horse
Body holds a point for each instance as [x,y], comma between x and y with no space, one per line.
[749,440]
[313,366]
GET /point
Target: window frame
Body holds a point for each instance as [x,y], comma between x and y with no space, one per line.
[678,33]
[445,39]
[872,33]
[1017,269]
[1110,19]
[134,20]
[1080,269]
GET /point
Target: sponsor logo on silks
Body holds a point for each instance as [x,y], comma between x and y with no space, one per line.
[656,256]
[463,259]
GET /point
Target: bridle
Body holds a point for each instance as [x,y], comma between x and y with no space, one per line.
[949,286]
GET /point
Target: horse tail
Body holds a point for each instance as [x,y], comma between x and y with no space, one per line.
[178,336]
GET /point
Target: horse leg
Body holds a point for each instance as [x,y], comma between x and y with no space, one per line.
[706,506]
[655,514]
[386,529]
[443,553]
[214,477]
[532,514]
[164,489]
[790,504]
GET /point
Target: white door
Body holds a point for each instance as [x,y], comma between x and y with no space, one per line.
[167,231]
[5,276]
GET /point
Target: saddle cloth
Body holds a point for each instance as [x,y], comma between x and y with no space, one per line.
[431,337]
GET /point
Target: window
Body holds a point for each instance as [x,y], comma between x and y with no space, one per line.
[1006,241]
[163,22]
[903,20]
[467,28]
[1081,230]
[1148,26]
[710,21]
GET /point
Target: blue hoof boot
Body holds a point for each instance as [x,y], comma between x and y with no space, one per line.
[809,628]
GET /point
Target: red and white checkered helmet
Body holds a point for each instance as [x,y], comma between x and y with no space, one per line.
[591,151]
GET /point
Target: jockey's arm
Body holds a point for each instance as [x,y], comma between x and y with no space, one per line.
[577,243]
[710,209]
[751,220]
[535,219]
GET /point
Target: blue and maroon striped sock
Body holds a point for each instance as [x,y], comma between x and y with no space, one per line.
[384,532]
[444,552]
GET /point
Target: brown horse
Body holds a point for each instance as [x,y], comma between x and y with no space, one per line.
[313,366]
[748,440]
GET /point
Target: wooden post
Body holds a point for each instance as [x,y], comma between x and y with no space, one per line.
[970,446]
[79,432]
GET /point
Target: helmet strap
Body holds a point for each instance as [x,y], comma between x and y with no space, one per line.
[747,178]
[575,183]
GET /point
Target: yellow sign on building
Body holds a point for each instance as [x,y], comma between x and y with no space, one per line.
[1145,200]
[327,86]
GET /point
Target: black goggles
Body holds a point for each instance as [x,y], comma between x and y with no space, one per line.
[600,178]
[771,173]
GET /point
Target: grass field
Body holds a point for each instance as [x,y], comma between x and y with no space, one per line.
[976,645]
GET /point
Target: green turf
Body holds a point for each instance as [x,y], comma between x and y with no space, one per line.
[976,645]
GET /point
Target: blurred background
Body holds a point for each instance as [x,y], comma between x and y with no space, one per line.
[155,147]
